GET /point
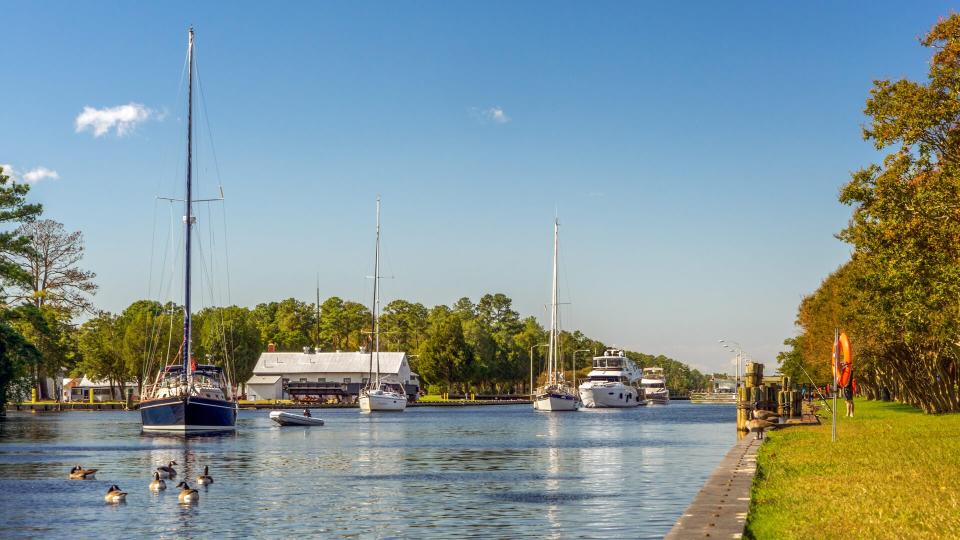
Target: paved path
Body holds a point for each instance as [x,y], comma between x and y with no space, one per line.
[720,509]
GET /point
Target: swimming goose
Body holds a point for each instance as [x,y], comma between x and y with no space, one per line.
[78,473]
[205,478]
[187,494]
[114,495]
[157,484]
[167,471]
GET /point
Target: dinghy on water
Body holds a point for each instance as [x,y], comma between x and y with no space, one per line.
[290,419]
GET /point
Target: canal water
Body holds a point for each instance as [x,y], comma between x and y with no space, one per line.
[430,472]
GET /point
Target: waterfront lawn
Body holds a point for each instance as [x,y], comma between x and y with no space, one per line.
[893,473]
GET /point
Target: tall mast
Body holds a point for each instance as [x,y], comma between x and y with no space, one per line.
[376,296]
[188,219]
[553,308]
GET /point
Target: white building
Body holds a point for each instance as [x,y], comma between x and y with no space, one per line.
[286,375]
[78,389]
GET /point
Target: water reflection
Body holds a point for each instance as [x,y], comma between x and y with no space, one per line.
[429,473]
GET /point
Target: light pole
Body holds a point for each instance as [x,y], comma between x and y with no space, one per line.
[575,362]
[531,366]
[739,351]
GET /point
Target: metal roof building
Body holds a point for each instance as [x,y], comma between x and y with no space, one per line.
[286,375]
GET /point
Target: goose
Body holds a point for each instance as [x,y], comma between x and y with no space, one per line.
[78,473]
[758,426]
[167,471]
[205,478]
[765,415]
[115,495]
[157,484]
[187,494]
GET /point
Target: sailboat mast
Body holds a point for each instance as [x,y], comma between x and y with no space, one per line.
[188,219]
[376,296]
[553,308]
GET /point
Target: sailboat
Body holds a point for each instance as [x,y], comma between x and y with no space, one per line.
[379,394]
[557,394]
[188,396]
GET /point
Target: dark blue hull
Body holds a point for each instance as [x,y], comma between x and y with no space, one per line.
[188,414]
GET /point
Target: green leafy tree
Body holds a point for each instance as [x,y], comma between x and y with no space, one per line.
[100,344]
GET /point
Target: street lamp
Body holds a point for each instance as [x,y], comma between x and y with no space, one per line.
[738,350]
[531,366]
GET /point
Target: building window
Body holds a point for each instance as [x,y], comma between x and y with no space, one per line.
[321,379]
[346,380]
[303,379]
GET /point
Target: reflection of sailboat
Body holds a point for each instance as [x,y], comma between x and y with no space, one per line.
[380,394]
[556,394]
[189,397]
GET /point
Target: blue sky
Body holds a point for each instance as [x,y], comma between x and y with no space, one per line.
[692,151]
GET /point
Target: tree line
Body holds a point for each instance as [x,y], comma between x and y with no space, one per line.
[478,347]
[898,297]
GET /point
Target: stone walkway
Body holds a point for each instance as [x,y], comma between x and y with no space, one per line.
[720,509]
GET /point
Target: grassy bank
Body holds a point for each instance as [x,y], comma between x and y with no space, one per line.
[893,473]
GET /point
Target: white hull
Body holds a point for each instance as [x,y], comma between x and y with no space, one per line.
[382,402]
[658,398]
[611,396]
[555,403]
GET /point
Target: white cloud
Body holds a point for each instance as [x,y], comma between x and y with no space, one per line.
[122,118]
[493,114]
[497,115]
[30,177]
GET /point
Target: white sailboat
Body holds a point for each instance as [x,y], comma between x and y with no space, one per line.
[556,394]
[380,394]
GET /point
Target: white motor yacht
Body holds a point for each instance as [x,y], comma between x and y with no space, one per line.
[614,382]
[654,385]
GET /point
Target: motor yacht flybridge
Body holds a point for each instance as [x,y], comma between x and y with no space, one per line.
[613,382]
[557,394]
[655,386]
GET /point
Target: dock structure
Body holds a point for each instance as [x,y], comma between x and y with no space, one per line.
[720,509]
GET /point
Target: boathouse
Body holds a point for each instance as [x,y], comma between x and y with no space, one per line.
[323,376]
[79,388]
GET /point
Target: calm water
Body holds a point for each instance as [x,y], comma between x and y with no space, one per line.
[478,472]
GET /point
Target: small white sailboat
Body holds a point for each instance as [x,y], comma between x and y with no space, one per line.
[285,418]
[380,394]
[556,394]
[655,386]
[613,382]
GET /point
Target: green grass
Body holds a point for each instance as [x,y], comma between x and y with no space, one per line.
[894,472]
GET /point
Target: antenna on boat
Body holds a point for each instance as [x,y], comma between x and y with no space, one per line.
[188,218]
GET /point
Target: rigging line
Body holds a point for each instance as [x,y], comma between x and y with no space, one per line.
[206,117]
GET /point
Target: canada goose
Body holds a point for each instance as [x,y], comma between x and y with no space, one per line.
[761,414]
[78,473]
[114,495]
[758,426]
[157,484]
[167,471]
[187,494]
[205,478]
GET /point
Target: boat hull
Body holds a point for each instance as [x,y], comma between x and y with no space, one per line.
[188,414]
[615,397]
[290,419]
[657,398]
[375,402]
[555,402]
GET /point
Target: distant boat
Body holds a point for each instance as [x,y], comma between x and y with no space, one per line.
[613,382]
[380,394]
[556,394]
[188,396]
[654,385]
[721,391]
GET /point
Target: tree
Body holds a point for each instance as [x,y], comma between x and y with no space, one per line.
[288,324]
[52,263]
[444,355]
[17,355]
[100,348]
[404,325]
[231,338]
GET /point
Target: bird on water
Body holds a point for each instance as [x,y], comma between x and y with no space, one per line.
[79,473]
[167,471]
[205,478]
[187,494]
[115,495]
[158,484]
